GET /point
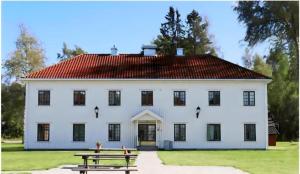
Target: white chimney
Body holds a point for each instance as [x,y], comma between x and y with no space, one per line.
[114,51]
[179,52]
[149,50]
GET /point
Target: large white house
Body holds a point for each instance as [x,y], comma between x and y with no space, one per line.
[136,100]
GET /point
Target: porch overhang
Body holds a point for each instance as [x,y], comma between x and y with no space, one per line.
[146,115]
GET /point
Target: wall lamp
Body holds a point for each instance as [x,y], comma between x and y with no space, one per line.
[198,109]
[96,111]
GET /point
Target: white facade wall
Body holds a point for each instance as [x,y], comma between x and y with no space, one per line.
[231,114]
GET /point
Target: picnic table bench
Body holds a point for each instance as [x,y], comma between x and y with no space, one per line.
[96,157]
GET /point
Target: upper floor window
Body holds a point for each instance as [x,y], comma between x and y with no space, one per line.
[214,98]
[179,98]
[249,98]
[213,132]
[114,98]
[43,97]
[147,98]
[114,131]
[79,98]
[43,131]
[78,132]
[179,132]
[249,132]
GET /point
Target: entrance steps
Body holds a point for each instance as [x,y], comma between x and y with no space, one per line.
[147,148]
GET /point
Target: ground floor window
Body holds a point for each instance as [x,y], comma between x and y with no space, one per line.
[179,132]
[43,132]
[249,132]
[213,132]
[78,132]
[114,131]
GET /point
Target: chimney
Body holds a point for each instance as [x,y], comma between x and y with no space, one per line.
[179,52]
[149,50]
[114,51]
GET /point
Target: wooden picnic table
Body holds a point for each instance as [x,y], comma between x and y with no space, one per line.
[98,156]
[113,149]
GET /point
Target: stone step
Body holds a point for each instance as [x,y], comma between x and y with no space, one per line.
[147,148]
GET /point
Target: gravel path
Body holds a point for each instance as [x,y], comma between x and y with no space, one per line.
[149,163]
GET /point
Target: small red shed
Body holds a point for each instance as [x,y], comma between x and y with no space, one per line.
[273,132]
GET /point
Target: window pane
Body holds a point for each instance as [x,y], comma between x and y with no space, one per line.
[147,98]
[213,132]
[78,132]
[114,98]
[43,132]
[249,132]
[214,98]
[249,98]
[79,97]
[43,97]
[114,132]
[179,98]
[179,132]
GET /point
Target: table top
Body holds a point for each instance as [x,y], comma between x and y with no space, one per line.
[101,154]
[113,149]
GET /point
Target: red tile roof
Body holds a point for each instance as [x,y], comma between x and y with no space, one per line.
[136,66]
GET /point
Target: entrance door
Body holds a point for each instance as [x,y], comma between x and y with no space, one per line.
[147,134]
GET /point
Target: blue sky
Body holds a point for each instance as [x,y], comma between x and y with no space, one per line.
[97,26]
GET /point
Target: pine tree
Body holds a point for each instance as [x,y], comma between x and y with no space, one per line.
[68,53]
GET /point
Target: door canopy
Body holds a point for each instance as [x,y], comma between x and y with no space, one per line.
[146,115]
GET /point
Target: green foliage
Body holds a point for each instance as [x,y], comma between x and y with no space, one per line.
[12,110]
[68,53]
[276,21]
[283,96]
[193,36]
[28,56]
[197,41]
[283,159]
[172,33]
[260,66]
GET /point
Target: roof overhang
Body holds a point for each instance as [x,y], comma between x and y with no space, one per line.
[146,115]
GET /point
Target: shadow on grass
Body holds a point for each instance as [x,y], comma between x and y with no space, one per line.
[5,148]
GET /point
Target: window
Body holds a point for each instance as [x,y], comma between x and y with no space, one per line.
[43,132]
[79,98]
[214,98]
[114,132]
[213,132]
[179,132]
[147,98]
[114,98]
[249,98]
[44,97]
[78,132]
[249,132]
[179,98]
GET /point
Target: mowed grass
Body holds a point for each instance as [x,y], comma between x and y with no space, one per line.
[282,159]
[14,158]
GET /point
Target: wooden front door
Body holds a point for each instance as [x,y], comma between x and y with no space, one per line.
[147,134]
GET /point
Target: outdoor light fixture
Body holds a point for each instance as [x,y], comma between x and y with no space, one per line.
[96,111]
[198,111]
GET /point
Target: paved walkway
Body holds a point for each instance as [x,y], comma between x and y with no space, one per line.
[149,163]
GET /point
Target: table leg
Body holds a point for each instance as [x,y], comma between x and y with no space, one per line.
[127,158]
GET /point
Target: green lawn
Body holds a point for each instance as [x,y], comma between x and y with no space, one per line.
[283,159]
[14,158]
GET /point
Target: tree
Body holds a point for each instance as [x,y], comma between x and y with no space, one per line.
[28,56]
[68,53]
[172,33]
[277,21]
[247,59]
[283,96]
[197,41]
[260,66]
[12,110]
